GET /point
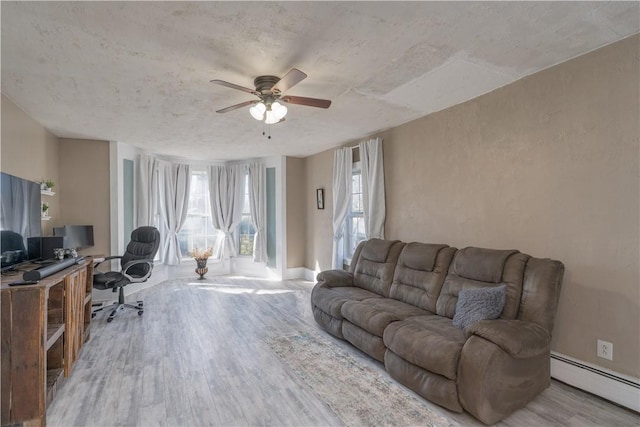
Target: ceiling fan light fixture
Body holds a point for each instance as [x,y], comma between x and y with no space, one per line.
[279,110]
[269,89]
[271,118]
[258,110]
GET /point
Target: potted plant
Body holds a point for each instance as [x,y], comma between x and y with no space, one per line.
[47,185]
[45,209]
[201,257]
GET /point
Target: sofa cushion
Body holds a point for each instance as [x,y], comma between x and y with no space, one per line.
[478,304]
[374,315]
[420,272]
[483,265]
[430,342]
[375,265]
[512,276]
[377,250]
[330,300]
[420,256]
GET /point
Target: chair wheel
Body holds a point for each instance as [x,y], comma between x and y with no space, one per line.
[109,319]
[140,312]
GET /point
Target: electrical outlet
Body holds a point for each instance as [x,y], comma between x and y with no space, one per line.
[605,350]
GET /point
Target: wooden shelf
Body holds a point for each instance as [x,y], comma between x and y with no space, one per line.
[54,332]
[53,378]
[47,192]
[43,329]
[55,313]
[87,332]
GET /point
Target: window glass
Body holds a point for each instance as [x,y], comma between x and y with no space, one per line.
[355,232]
[198,231]
[246,230]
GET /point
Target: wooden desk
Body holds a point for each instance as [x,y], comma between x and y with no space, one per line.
[43,328]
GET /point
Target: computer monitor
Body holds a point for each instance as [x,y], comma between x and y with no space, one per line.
[77,236]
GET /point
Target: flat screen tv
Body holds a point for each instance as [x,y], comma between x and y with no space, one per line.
[20,216]
[76,236]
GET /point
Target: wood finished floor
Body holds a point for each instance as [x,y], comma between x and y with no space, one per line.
[198,356]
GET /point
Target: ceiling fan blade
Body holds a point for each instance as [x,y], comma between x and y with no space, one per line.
[234,86]
[235,107]
[292,78]
[311,102]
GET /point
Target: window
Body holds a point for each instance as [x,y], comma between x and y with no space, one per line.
[355,232]
[198,231]
[246,230]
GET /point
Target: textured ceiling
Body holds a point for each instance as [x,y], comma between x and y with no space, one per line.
[138,72]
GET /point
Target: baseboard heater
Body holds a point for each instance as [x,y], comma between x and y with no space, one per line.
[617,388]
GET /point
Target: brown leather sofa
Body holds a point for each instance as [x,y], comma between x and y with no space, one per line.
[397,304]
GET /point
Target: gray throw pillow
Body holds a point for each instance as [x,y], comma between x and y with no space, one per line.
[479,304]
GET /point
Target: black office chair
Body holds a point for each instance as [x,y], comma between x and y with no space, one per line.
[136,266]
[12,247]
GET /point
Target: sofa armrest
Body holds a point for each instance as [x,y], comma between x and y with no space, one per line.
[335,278]
[492,383]
[518,338]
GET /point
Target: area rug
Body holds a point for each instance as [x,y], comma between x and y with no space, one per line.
[358,394]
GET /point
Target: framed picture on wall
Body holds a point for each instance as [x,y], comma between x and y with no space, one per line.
[320,198]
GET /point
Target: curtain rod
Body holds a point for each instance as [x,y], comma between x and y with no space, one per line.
[358,146]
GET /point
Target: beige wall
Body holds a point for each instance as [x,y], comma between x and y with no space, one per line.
[548,165]
[84,177]
[30,151]
[80,169]
[296,212]
[319,221]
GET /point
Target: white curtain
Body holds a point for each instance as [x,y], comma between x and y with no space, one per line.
[226,198]
[372,170]
[257,206]
[174,205]
[147,191]
[342,176]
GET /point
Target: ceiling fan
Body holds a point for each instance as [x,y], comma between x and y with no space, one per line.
[269,90]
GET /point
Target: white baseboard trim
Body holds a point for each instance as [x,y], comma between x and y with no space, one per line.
[300,273]
[310,275]
[294,273]
[618,388]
